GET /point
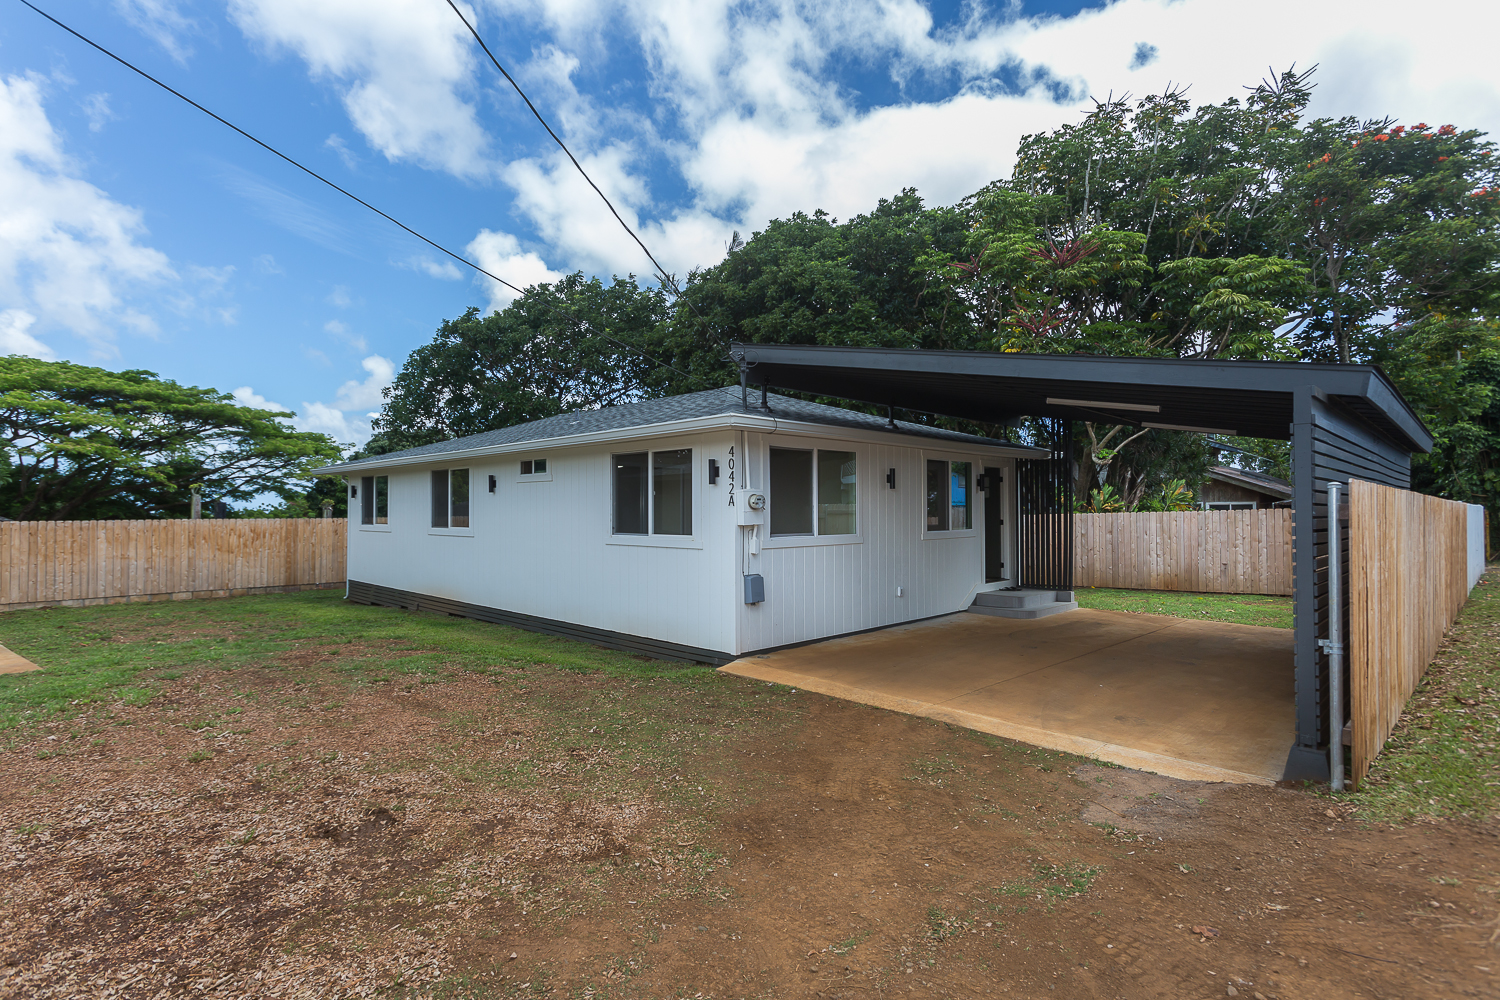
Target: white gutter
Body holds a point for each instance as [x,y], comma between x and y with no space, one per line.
[768,424]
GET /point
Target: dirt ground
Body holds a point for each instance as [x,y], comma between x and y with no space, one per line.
[281,832]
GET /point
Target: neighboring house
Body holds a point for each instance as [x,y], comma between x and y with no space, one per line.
[692,527]
[1228,488]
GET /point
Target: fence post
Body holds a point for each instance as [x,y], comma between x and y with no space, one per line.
[1333,646]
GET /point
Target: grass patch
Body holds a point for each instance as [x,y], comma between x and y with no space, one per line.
[1051,884]
[1241,609]
[124,652]
[1443,759]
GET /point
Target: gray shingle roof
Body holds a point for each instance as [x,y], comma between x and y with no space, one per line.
[689,406]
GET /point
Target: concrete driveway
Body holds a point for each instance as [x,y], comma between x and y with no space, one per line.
[1204,701]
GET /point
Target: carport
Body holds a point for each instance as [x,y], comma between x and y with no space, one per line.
[1205,701]
[1344,421]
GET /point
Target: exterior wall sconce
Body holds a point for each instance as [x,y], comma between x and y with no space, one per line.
[492,484]
[713,471]
[890,478]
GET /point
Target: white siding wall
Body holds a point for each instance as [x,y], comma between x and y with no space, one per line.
[546,548]
[816,589]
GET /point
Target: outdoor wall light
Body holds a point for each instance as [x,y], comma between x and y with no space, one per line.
[353,491]
[492,484]
[890,478]
[713,471]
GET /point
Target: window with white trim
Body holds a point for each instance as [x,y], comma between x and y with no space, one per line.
[374,501]
[533,467]
[653,492]
[950,495]
[813,492]
[450,498]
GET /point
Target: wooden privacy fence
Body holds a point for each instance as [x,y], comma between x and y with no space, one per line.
[1408,577]
[99,562]
[1207,551]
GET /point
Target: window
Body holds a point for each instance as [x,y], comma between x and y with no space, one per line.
[1229,505]
[949,500]
[374,502]
[672,492]
[653,492]
[450,498]
[534,467]
[812,489]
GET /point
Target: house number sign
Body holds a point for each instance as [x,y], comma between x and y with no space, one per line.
[731,475]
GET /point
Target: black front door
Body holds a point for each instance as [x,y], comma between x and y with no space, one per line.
[994,525]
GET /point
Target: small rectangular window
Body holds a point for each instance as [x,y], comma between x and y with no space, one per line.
[526,468]
[672,492]
[540,466]
[367,500]
[950,504]
[937,495]
[961,505]
[791,492]
[440,498]
[382,500]
[836,493]
[458,498]
[534,467]
[630,493]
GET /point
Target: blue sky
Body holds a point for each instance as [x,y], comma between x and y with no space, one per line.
[135,232]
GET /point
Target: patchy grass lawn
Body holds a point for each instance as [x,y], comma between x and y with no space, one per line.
[123,652]
[1443,759]
[1242,609]
[290,795]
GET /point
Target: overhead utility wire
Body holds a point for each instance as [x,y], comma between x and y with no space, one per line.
[347,194]
[666,278]
[270,149]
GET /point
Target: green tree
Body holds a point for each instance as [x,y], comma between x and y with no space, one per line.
[810,279]
[1449,370]
[573,344]
[84,443]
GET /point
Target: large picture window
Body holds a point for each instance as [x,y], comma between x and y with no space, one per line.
[450,498]
[653,492]
[950,502]
[812,492]
[374,503]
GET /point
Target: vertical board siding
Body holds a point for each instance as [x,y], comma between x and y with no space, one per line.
[95,562]
[1408,577]
[1208,552]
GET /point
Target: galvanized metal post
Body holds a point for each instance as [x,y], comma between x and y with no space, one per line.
[1334,644]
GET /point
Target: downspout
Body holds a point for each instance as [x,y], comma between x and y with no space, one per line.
[1334,645]
[347,519]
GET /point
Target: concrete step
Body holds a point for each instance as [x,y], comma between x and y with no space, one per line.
[1023,603]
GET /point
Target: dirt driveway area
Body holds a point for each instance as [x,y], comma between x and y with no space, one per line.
[419,806]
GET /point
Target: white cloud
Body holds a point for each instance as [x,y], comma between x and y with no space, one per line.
[500,254]
[339,297]
[96,107]
[336,419]
[15,340]
[341,330]
[266,264]
[336,143]
[400,69]
[444,270]
[356,395]
[162,22]
[69,255]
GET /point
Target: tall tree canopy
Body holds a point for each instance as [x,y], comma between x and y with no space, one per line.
[571,345]
[1237,230]
[81,443]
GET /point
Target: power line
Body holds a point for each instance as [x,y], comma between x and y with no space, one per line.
[312,173]
[666,278]
[271,149]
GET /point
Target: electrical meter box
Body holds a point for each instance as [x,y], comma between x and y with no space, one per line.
[755,588]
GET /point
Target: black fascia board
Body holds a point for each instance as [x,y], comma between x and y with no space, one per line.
[1252,398]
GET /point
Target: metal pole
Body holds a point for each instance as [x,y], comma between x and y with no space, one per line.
[1334,644]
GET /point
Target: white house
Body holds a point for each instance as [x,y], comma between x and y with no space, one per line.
[691,527]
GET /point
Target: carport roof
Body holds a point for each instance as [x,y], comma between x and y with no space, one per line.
[1253,398]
